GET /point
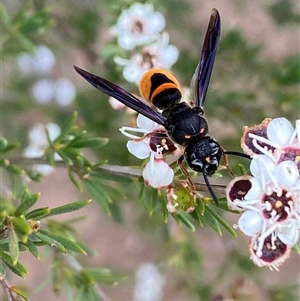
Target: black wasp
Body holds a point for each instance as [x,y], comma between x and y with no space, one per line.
[184,124]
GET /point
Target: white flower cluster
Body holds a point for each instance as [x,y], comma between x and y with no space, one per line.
[45,90]
[154,144]
[139,30]
[270,198]
[38,143]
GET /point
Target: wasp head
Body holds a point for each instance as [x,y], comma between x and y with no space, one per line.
[203,155]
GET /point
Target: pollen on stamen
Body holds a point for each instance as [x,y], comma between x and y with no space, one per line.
[159,149]
[268,206]
[288,194]
[279,192]
[273,215]
[269,191]
[288,211]
[278,204]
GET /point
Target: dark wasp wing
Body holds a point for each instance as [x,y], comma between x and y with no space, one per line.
[121,95]
[205,66]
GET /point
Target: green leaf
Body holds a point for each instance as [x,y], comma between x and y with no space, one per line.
[183,217]
[67,243]
[32,249]
[4,16]
[67,208]
[81,294]
[19,292]
[66,129]
[24,42]
[21,226]
[197,217]
[150,199]
[13,246]
[65,158]
[3,141]
[101,275]
[36,23]
[50,241]
[9,147]
[296,248]
[38,214]
[27,201]
[14,169]
[74,181]
[5,247]
[98,193]
[88,250]
[18,268]
[92,142]
[221,221]
[211,220]
[34,175]
[2,270]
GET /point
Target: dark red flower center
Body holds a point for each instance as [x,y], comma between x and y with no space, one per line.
[272,249]
[160,142]
[239,189]
[277,204]
[291,153]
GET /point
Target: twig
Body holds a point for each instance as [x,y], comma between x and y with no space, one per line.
[116,170]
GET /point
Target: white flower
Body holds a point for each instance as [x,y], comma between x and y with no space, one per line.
[270,199]
[154,143]
[138,25]
[64,91]
[157,173]
[250,222]
[270,135]
[273,253]
[41,62]
[42,91]
[140,146]
[115,104]
[158,55]
[148,283]
[38,143]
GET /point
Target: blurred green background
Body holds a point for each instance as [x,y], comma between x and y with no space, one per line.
[256,75]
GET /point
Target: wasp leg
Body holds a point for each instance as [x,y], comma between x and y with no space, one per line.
[227,165]
[186,173]
[233,153]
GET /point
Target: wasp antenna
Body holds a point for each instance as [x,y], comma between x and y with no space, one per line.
[212,193]
[233,153]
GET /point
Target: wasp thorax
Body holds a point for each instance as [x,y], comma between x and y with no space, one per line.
[203,155]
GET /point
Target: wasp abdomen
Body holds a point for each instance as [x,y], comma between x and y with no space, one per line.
[161,88]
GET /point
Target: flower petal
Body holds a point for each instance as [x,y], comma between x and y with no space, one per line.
[65,91]
[250,222]
[158,174]
[42,91]
[255,191]
[289,234]
[279,130]
[146,123]
[140,149]
[261,167]
[287,174]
